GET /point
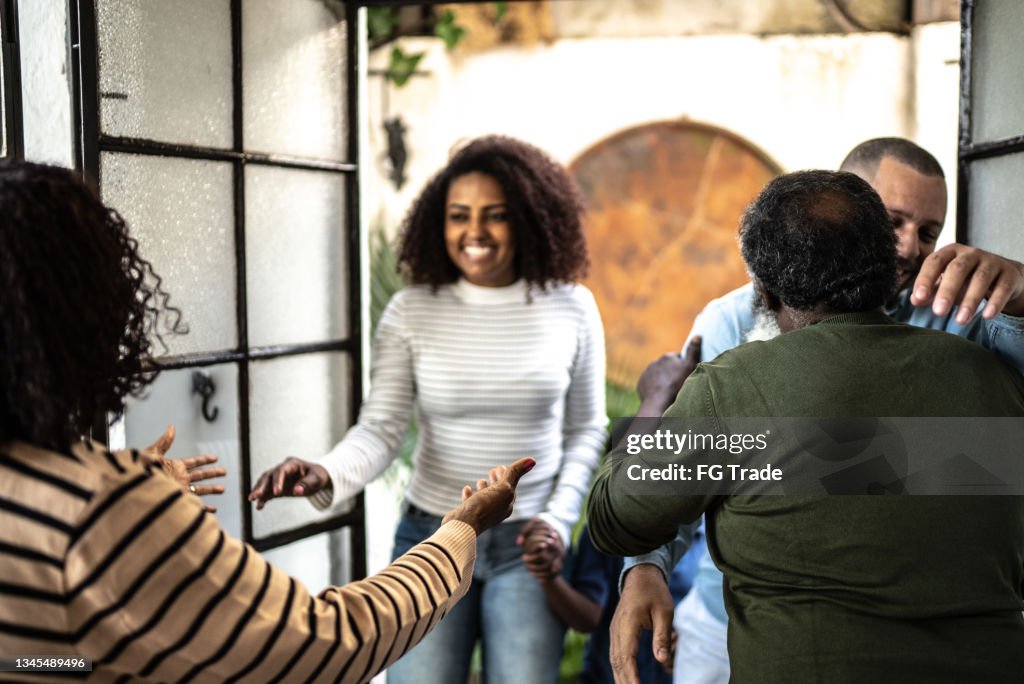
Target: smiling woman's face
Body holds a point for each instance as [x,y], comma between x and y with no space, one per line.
[477,233]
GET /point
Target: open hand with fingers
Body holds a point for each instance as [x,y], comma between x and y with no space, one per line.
[962,276]
[292,477]
[186,471]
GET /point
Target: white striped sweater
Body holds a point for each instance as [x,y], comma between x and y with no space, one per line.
[491,377]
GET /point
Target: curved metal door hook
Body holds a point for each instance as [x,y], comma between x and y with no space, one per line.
[202,384]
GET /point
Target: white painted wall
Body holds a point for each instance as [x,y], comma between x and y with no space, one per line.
[936,118]
[804,100]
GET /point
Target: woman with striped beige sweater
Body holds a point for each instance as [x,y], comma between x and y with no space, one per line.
[103,556]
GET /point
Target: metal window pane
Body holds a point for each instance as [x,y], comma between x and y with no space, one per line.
[181,212]
[171,401]
[3,97]
[165,70]
[997,62]
[294,65]
[299,406]
[995,205]
[296,256]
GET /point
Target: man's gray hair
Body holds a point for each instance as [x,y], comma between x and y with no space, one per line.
[821,238]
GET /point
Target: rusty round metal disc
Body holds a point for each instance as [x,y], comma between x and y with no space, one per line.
[663,207]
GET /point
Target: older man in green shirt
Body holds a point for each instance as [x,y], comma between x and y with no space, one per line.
[844,588]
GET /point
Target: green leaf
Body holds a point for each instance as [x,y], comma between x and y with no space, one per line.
[447,30]
[381,21]
[402,65]
[499,10]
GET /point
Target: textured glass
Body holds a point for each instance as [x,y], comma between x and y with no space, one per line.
[171,401]
[996,204]
[181,212]
[299,406]
[165,70]
[293,69]
[307,560]
[997,65]
[297,272]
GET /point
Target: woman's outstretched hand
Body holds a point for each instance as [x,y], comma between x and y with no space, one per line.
[186,471]
[292,477]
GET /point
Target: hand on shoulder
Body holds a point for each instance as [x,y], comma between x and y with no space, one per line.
[962,276]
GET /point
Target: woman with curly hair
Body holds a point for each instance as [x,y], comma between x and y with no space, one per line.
[103,557]
[499,353]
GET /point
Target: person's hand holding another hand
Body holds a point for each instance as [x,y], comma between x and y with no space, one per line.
[543,550]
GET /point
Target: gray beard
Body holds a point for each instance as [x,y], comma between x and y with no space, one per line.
[765,326]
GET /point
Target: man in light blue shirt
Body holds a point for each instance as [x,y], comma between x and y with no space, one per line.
[980,296]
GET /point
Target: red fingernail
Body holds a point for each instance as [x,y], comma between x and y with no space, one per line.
[530,463]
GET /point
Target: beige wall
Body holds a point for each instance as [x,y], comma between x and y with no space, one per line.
[804,100]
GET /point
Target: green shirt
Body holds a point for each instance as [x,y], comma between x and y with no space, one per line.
[850,588]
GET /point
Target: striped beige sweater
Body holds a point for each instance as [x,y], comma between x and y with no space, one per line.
[103,556]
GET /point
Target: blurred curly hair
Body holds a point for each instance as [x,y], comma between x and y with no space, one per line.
[544,208]
[78,305]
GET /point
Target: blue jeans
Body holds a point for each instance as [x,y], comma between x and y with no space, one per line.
[505,608]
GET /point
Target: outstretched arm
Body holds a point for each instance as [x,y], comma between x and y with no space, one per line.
[191,601]
[370,445]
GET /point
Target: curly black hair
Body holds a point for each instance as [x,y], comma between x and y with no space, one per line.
[544,208]
[821,238]
[77,307]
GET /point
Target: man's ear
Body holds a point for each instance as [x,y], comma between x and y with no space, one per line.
[771,302]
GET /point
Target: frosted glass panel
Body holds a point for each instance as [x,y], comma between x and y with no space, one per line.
[165,70]
[997,71]
[307,560]
[996,204]
[180,211]
[299,406]
[293,62]
[171,401]
[297,273]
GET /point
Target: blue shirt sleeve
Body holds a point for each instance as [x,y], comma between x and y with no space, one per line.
[1003,335]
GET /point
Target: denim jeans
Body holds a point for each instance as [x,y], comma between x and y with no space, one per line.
[505,608]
